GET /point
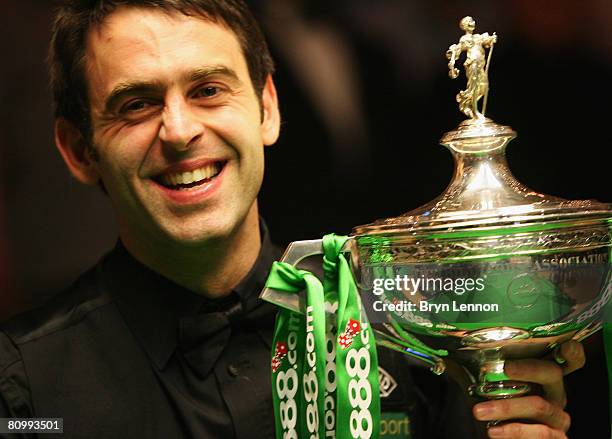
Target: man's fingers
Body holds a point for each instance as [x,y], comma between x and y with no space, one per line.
[534,408]
[524,431]
[535,371]
[552,421]
[573,354]
[546,373]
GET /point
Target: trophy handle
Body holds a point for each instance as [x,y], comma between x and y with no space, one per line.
[294,254]
[297,252]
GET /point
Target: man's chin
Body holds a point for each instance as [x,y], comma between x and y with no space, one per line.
[201,233]
[200,238]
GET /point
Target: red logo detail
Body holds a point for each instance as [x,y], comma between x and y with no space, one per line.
[279,354]
[345,341]
[352,328]
[281,348]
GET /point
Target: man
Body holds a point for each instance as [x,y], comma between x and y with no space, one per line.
[168,105]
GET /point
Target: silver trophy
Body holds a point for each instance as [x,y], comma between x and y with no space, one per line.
[488,271]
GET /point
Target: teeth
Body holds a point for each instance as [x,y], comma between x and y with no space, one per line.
[197,175]
[190,176]
[208,171]
[187,177]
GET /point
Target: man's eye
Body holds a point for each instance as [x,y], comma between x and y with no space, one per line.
[134,106]
[208,92]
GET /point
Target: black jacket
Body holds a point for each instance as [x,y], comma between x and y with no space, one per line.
[125,353]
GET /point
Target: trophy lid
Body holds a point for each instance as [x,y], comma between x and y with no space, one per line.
[483,193]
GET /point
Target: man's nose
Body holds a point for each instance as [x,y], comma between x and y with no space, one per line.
[180,128]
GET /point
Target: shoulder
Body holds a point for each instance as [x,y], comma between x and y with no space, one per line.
[30,332]
[65,310]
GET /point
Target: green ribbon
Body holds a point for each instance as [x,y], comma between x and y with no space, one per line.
[324,363]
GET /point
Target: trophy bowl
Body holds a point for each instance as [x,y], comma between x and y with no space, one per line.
[488,271]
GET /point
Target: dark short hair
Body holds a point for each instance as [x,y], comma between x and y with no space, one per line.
[74,18]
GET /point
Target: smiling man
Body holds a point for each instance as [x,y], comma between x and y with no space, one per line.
[177,135]
[168,106]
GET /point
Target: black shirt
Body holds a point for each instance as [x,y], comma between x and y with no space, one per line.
[126,353]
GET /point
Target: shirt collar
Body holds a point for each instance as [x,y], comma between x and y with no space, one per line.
[152,305]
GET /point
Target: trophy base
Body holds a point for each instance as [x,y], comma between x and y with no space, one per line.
[500,389]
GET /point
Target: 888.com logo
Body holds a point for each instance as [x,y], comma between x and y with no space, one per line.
[357,364]
[287,384]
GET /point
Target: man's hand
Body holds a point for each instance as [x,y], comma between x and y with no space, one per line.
[552,422]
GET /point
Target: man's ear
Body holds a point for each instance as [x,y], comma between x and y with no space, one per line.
[75,151]
[270,124]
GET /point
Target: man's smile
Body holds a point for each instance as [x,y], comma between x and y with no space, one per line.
[191,183]
[188,179]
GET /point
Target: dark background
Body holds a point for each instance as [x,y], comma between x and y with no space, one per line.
[365,97]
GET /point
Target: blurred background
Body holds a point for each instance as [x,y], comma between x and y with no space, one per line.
[365,96]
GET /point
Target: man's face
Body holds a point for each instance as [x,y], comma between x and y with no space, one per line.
[177,125]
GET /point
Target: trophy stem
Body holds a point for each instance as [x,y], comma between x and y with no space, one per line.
[493,383]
